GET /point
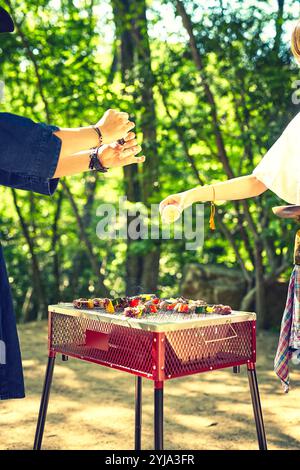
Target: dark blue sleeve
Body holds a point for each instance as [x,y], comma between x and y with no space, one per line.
[29,154]
[29,183]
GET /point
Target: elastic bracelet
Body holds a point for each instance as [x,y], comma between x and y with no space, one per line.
[99,134]
[212,224]
[95,163]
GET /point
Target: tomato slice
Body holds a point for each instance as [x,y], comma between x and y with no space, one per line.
[184,308]
[134,302]
[171,307]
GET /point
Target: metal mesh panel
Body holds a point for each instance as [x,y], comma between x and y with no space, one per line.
[118,345]
[186,351]
[211,347]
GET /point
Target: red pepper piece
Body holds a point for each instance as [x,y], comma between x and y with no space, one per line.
[134,302]
[184,308]
[171,307]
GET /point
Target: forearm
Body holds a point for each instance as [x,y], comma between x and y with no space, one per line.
[76,140]
[110,156]
[69,165]
[233,189]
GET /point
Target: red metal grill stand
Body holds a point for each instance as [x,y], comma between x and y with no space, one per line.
[138,413]
[44,404]
[258,416]
[186,348]
[158,415]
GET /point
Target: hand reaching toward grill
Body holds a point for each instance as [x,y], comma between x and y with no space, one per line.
[117,155]
[229,190]
[179,200]
[114,125]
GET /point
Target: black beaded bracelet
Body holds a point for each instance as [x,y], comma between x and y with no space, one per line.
[95,163]
[99,133]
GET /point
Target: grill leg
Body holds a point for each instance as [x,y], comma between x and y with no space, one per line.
[258,416]
[158,415]
[138,414]
[44,404]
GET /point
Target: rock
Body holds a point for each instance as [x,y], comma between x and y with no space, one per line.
[219,284]
[213,283]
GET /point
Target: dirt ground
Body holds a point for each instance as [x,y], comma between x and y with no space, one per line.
[92,407]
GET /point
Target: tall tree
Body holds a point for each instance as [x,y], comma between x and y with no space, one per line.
[131,27]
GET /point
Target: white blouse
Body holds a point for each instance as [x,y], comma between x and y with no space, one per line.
[279,169]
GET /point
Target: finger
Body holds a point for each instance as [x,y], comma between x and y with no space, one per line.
[131,160]
[129,136]
[162,205]
[172,201]
[166,202]
[130,143]
[130,125]
[131,151]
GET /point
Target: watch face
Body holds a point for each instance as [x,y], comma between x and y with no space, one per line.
[6,22]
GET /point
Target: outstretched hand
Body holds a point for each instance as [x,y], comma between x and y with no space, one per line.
[117,155]
[179,200]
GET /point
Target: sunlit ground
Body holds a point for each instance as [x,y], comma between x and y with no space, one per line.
[92,407]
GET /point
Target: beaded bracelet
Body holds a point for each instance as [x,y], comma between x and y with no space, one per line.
[95,163]
[99,133]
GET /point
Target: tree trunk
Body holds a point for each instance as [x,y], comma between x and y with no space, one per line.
[279,25]
[131,27]
[55,294]
[87,242]
[223,157]
[260,298]
[39,290]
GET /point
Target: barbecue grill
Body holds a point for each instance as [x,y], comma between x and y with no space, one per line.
[158,347]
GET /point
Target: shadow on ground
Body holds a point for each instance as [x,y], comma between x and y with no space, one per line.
[92,407]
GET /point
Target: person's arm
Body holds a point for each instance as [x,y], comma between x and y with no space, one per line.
[113,155]
[237,188]
[31,154]
[113,126]
[34,149]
